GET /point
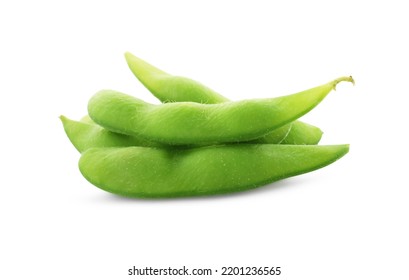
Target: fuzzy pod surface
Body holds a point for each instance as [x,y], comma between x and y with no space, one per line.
[163,173]
[185,123]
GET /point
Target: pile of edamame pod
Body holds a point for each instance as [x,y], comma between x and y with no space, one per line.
[196,142]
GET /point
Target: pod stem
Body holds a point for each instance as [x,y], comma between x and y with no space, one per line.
[342,79]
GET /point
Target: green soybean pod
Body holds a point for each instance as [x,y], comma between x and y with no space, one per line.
[85,134]
[170,88]
[185,123]
[162,173]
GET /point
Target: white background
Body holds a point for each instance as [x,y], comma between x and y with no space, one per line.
[346,221]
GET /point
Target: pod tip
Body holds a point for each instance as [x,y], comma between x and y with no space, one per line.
[342,79]
[127,54]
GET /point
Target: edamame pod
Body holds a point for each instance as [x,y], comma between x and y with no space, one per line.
[186,123]
[169,88]
[156,172]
